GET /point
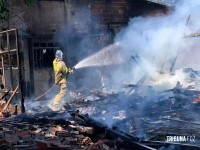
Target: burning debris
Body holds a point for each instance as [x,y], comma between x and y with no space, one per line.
[128,120]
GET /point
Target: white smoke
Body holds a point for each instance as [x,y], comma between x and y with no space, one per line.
[158,40]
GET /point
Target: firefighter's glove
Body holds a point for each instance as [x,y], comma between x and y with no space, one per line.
[71,71]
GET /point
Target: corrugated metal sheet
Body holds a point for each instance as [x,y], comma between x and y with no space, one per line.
[166,2]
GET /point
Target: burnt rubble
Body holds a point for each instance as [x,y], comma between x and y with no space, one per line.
[130,119]
[43,131]
[149,117]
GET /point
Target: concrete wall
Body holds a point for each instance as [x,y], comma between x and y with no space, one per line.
[43,82]
[48,17]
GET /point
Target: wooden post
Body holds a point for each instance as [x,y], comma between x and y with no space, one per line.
[19,74]
[10,63]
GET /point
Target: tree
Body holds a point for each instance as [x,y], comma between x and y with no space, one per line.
[4,10]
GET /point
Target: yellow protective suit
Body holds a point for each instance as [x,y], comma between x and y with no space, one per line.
[60,71]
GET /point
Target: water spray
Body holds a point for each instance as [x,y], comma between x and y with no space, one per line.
[106,56]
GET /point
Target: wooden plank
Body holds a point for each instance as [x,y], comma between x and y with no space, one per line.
[11,97]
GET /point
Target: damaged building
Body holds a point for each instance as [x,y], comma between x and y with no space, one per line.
[134,83]
[50,25]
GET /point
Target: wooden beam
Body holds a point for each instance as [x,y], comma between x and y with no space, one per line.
[9,100]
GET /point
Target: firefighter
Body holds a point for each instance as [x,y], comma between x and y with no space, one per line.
[60,71]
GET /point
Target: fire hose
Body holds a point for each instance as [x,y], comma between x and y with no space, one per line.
[45,92]
[48,90]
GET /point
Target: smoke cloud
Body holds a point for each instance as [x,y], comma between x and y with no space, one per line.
[158,40]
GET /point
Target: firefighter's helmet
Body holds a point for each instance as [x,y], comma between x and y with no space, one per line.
[59,54]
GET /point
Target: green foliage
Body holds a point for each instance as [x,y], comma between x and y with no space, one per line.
[28,2]
[4,10]
[2,2]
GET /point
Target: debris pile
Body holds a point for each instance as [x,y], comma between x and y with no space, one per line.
[44,131]
[127,120]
